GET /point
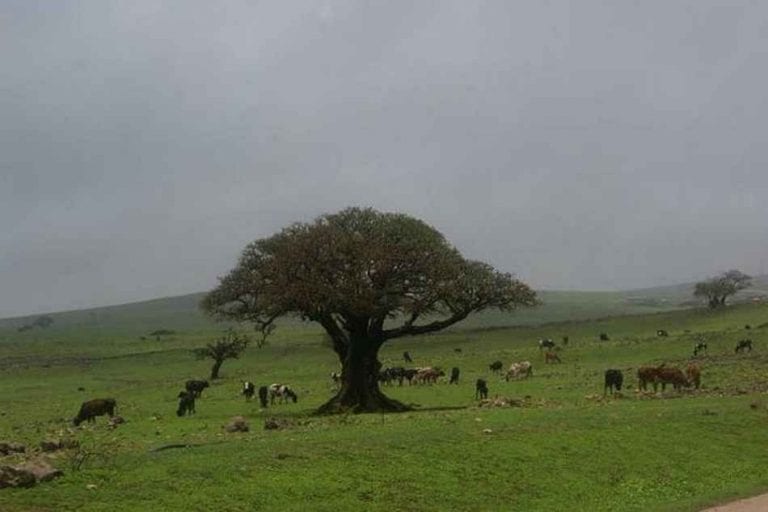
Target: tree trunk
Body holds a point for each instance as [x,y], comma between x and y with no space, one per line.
[215,369]
[360,385]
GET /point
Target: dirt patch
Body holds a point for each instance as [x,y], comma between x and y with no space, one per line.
[755,504]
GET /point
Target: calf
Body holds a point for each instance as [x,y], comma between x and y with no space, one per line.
[613,380]
[248,390]
[96,407]
[186,403]
[196,386]
[661,333]
[481,389]
[693,374]
[496,366]
[744,345]
[551,357]
[454,375]
[283,392]
[263,393]
[604,337]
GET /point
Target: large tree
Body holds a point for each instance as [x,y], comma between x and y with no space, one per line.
[228,346]
[717,289]
[366,277]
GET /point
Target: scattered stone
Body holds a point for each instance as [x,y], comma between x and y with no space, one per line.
[276,424]
[7,448]
[41,470]
[500,401]
[14,477]
[52,445]
[114,421]
[91,487]
[487,431]
[237,424]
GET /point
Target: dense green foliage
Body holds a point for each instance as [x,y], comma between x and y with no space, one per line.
[566,449]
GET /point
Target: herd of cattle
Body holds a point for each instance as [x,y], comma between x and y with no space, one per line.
[613,379]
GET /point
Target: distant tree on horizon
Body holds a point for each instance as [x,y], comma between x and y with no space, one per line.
[716,290]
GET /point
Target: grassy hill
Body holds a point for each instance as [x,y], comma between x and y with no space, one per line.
[181,313]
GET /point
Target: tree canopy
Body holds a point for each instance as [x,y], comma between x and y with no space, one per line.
[366,277]
[717,289]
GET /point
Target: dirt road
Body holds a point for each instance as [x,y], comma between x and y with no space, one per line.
[756,504]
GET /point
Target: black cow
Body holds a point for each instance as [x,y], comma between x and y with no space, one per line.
[613,379]
[454,375]
[604,336]
[186,403]
[565,340]
[700,347]
[496,366]
[263,394]
[481,389]
[96,407]
[546,343]
[744,345]
[409,374]
[661,333]
[249,389]
[196,386]
[407,357]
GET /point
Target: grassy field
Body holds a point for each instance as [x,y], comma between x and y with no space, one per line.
[566,448]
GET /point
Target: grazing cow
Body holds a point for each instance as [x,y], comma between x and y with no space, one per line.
[263,393]
[747,327]
[646,375]
[457,350]
[196,386]
[481,389]
[546,343]
[613,381]
[409,374]
[282,392]
[700,347]
[428,375]
[604,337]
[454,375]
[744,345]
[407,357]
[496,366]
[96,407]
[661,333]
[186,403]
[249,389]
[551,357]
[668,375]
[565,340]
[693,374]
[522,369]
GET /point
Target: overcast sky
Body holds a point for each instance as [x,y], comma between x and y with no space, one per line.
[589,145]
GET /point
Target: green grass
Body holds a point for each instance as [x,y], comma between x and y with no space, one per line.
[566,449]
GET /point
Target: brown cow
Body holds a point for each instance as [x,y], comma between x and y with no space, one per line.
[551,357]
[96,407]
[645,375]
[669,375]
[693,373]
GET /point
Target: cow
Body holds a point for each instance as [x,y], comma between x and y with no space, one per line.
[661,333]
[496,366]
[186,403]
[196,386]
[613,381]
[546,343]
[522,369]
[409,374]
[693,374]
[457,350]
[551,357]
[700,347]
[565,340]
[283,392]
[669,375]
[263,393]
[249,389]
[747,327]
[407,357]
[481,389]
[336,378]
[604,337]
[646,375]
[96,407]
[454,375]
[429,375]
[744,345]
